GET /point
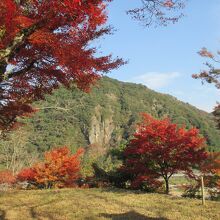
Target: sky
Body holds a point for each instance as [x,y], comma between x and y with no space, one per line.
[164,58]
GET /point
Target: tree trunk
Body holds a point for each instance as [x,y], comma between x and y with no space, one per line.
[3,67]
[167,185]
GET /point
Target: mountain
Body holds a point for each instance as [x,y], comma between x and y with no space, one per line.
[107,115]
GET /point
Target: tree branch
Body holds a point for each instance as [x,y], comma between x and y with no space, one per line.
[7,53]
[54,107]
[20,72]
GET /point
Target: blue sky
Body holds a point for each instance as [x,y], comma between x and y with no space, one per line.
[164,58]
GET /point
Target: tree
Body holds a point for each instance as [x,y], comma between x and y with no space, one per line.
[211,75]
[59,168]
[45,44]
[161,149]
[15,152]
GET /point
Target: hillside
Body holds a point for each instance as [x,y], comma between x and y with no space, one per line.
[101,204]
[107,116]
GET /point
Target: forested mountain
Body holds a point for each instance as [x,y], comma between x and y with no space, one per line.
[107,116]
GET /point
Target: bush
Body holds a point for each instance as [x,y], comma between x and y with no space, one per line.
[192,191]
[60,169]
[7,179]
[214,194]
[6,176]
[211,185]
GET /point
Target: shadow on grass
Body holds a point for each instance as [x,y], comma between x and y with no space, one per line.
[43,215]
[129,216]
[31,210]
[121,191]
[130,191]
[2,215]
[38,216]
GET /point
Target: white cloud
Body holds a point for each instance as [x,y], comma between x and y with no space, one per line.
[156,80]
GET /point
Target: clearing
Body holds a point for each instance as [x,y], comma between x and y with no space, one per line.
[92,204]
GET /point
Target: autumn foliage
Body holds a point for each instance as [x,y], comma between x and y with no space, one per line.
[211,75]
[161,149]
[59,169]
[45,44]
[7,177]
[211,170]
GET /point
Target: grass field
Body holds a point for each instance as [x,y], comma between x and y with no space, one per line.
[92,204]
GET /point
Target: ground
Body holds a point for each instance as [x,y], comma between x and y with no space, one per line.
[90,204]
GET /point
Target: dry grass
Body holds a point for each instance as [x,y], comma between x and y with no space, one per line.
[92,204]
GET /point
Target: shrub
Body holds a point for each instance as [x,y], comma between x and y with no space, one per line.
[60,169]
[192,191]
[6,177]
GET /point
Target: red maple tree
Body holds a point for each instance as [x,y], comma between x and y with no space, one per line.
[60,168]
[45,44]
[161,149]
